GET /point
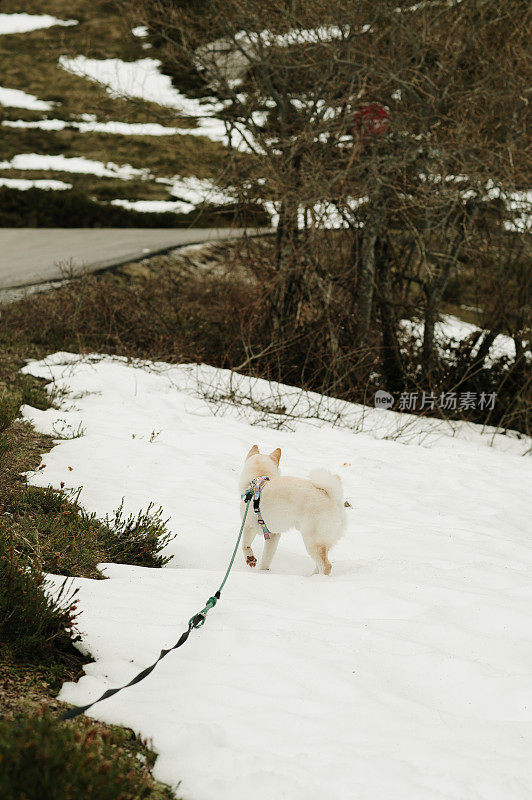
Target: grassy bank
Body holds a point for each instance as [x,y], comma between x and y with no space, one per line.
[46,531]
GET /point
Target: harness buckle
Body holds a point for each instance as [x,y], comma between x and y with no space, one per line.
[254,491]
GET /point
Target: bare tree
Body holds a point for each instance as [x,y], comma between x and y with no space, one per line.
[397,124]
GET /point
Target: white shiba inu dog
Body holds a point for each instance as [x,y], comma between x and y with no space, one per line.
[313,505]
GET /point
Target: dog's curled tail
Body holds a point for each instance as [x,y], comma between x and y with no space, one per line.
[332,484]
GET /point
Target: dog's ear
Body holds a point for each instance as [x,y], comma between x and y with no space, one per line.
[253,452]
[276,455]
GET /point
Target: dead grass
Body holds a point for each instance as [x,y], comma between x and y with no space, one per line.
[104,189]
[101,33]
[164,156]
[29,61]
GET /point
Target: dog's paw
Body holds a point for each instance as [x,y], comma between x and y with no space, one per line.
[251,561]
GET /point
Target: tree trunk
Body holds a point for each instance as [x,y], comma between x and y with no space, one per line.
[366,277]
[391,352]
[485,345]
[436,287]
[431,316]
[286,294]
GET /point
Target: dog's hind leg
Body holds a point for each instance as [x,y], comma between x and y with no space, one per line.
[250,531]
[323,551]
[318,552]
[270,546]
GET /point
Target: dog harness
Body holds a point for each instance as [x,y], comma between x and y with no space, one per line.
[256,487]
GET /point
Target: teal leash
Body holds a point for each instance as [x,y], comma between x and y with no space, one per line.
[198,619]
[194,622]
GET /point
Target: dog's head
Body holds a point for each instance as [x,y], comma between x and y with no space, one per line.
[259,463]
[275,456]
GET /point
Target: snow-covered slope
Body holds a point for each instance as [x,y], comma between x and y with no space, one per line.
[405,675]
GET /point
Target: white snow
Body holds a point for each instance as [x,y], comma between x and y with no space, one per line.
[140,79]
[191,191]
[451,327]
[452,330]
[24,183]
[75,164]
[323,215]
[196,190]
[518,202]
[154,206]
[112,126]
[140,31]
[16,98]
[405,675]
[144,80]
[247,39]
[22,23]
[188,191]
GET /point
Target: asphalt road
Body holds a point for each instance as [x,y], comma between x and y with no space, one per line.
[31,256]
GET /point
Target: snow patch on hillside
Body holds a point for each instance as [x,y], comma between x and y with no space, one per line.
[23,23]
[23,184]
[196,190]
[154,206]
[188,191]
[16,98]
[75,164]
[143,79]
[111,126]
[140,31]
[406,674]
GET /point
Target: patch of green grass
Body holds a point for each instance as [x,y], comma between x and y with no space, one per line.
[51,529]
[34,627]
[9,406]
[20,451]
[136,539]
[24,389]
[20,445]
[42,757]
